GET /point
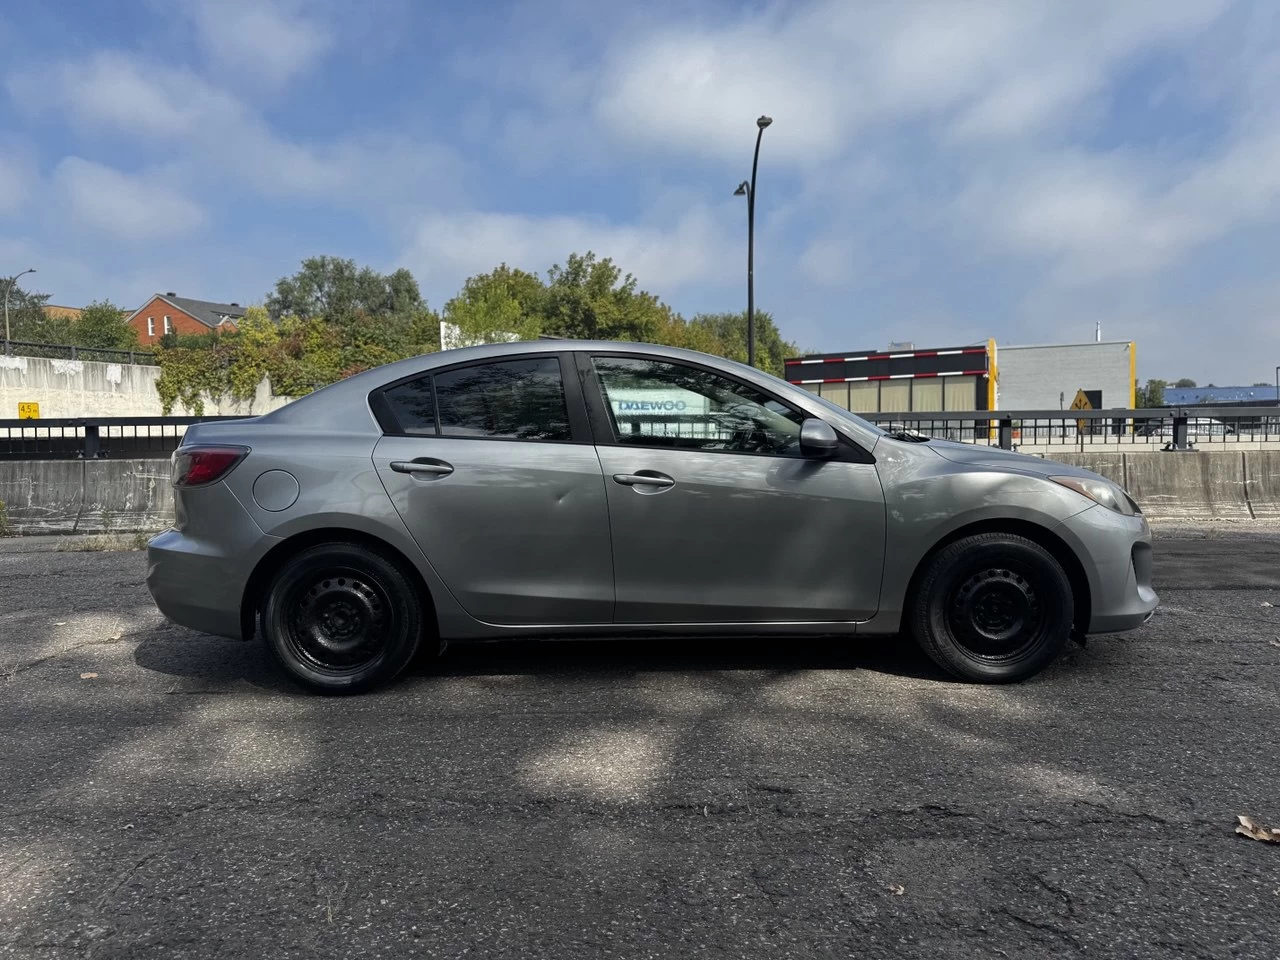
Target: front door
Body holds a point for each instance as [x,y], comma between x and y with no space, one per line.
[716,517]
[493,472]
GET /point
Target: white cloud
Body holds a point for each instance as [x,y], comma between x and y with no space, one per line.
[829,260]
[211,135]
[114,92]
[448,247]
[267,43]
[18,179]
[1097,217]
[132,208]
[826,71]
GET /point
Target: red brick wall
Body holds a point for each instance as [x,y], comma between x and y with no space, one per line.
[157,309]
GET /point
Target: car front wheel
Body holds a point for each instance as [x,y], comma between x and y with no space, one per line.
[341,618]
[992,608]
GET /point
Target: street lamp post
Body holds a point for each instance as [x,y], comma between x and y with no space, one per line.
[1277,384]
[8,290]
[749,191]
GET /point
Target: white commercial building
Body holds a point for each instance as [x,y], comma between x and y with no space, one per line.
[1049,376]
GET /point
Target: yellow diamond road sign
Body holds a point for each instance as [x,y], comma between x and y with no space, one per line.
[1081,402]
[28,411]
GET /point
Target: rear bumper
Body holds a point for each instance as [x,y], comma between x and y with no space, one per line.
[197,572]
[1116,552]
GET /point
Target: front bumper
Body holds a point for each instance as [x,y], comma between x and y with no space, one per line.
[1116,553]
[197,572]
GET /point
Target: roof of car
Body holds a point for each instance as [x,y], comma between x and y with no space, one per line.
[343,406]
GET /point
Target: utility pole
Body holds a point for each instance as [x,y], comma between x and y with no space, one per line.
[8,290]
[749,191]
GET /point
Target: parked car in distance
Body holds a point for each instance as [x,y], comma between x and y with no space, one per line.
[1196,427]
[563,489]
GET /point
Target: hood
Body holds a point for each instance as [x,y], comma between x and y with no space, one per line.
[985,456]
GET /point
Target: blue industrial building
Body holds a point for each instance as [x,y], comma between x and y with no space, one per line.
[1208,396]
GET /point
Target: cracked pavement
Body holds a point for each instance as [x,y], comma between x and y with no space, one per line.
[648,799]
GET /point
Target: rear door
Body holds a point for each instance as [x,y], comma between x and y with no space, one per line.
[492,468]
[716,516]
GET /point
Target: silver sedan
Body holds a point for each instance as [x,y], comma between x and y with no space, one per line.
[574,489]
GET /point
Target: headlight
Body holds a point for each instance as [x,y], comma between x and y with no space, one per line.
[1110,495]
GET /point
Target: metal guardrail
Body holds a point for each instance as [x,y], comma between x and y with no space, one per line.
[1178,428]
[95,438]
[66,351]
[1172,428]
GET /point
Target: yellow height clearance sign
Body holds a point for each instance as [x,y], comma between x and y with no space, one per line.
[1081,402]
[28,411]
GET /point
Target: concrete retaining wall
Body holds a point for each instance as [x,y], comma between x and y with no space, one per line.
[80,388]
[64,496]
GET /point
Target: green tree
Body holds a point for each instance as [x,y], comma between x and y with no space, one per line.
[103,325]
[499,305]
[1262,383]
[590,299]
[337,290]
[730,330]
[1184,382]
[1152,395]
[28,319]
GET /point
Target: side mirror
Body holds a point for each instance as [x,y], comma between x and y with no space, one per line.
[817,439]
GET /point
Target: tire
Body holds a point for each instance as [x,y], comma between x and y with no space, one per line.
[992,608]
[341,618]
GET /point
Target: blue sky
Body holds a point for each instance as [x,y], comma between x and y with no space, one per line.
[936,172]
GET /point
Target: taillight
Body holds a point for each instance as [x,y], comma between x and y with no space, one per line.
[197,466]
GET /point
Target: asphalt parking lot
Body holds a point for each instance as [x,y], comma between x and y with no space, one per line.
[164,794]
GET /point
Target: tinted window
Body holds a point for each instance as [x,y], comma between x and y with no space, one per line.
[514,399]
[658,404]
[414,407]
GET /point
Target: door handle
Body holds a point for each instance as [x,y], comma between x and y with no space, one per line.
[640,480]
[438,468]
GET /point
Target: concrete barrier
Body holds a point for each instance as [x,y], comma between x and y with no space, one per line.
[65,496]
[1262,483]
[1109,465]
[85,496]
[1189,486]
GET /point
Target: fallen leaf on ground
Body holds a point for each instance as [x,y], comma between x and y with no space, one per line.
[88,676]
[60,623]
[1265,604]
[115,636]
[897,889]
[1251,828]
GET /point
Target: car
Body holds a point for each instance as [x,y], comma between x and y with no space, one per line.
[1197,427]
[564,489]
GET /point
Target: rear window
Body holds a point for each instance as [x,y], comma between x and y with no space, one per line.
[508,400]
[513,399]
[413,405]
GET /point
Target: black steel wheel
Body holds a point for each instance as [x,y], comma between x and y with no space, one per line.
[342,618]
[993,608]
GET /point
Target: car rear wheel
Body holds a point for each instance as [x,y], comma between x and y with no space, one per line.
[992,608]
[342,618]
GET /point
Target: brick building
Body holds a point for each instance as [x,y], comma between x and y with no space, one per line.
[170,313]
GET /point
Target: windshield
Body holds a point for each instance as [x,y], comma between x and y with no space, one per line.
[836,408]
